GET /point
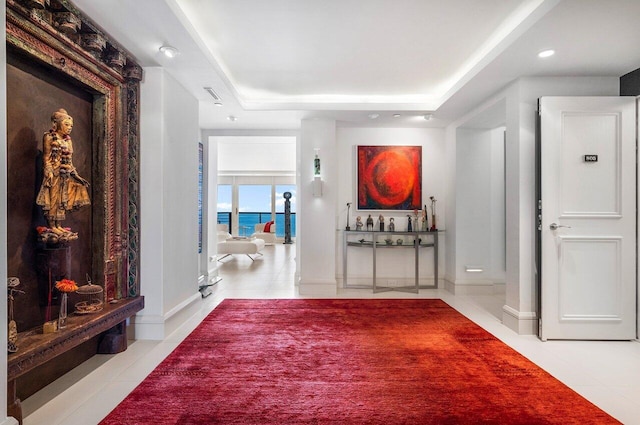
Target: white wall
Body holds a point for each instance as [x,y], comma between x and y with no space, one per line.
[316,219]
[169,137]
[480,210]
[498,207]
[394,264]
[256,154]
[432,142]
[180,202]
[450,204]
[474,209]
[472,200]
[208,264]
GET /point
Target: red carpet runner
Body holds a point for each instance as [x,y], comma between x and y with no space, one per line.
[348,362]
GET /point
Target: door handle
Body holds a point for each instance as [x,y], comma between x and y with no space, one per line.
[554,226]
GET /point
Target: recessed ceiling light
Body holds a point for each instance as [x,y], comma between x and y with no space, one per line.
[218,103]
[373,116]
[169,51]
[396,115]
[427,117]
[232,118]
[546,53]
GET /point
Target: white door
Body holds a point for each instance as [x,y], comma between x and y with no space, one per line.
[588,218]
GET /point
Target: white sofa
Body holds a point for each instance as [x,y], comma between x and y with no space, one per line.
[223,232]
[268,237]
[245,246]
[227,245]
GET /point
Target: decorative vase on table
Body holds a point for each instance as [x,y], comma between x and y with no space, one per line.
[62,316]
[64,286]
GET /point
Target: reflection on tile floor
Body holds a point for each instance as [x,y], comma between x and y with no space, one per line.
[606,373]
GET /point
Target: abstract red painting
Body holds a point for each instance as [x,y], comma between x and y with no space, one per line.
[389,177]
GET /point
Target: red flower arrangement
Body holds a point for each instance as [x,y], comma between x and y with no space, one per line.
[66,285]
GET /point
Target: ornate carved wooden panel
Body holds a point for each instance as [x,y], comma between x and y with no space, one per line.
[54,35]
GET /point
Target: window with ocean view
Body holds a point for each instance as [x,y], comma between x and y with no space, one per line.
[254,206]
[224,204]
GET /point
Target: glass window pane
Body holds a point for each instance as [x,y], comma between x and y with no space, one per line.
[224,204]
[282,188]
[254,206]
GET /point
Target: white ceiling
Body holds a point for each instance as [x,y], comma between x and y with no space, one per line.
[278,61]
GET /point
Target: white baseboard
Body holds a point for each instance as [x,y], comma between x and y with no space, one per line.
[158,327]
[521,322]
[9,421]
[367,281]
[475,287]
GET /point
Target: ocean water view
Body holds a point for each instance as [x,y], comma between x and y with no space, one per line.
[248,220]
[255,202]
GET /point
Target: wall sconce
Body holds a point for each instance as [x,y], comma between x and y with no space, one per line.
[317,186]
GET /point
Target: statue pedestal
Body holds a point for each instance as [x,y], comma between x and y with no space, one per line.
[53,264]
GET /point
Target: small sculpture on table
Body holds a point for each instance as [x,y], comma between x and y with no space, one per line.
[433,214]
[425,219]
[359,223]
[348,208]
[12,331]
[392,225]
[381,221]
[369,223]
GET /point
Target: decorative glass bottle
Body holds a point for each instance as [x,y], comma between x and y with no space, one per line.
[62,316]
[316,164]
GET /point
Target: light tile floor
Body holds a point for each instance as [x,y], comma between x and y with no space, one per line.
[606,373]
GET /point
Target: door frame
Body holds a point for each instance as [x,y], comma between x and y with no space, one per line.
[538,251]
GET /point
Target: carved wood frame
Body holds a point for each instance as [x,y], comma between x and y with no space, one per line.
[55,34]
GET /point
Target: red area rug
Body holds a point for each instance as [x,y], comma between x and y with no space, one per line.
[348,362]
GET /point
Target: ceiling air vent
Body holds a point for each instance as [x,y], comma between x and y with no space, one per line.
[213,94]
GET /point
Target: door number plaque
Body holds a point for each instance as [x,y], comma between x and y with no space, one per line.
[591,158]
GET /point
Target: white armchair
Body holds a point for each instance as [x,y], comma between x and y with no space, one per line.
[269,237]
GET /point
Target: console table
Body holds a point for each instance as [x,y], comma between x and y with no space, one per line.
[36,348]
[370,240]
